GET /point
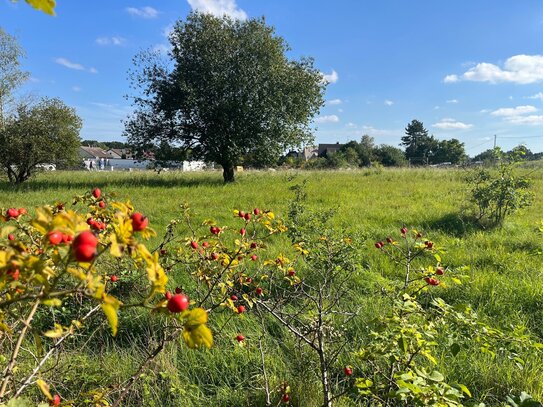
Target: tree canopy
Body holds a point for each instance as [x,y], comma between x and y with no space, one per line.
[11,75]
[418,144]
[228,90]
[44,133]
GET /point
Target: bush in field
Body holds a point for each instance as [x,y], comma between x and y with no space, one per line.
[61,259]
[500,191]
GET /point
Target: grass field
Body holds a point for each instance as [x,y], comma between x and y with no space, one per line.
[505,285]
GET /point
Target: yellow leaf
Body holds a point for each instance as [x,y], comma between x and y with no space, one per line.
[110,306]
[57,332]
[44,387]
[52,302]
[198,336]
[115,249]
[195,317]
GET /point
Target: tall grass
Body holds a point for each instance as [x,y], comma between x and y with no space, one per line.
[505,283]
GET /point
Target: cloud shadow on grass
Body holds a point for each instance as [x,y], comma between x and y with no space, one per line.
[456,224]
[51,183]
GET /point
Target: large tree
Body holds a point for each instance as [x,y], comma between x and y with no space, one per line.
[419,146]
[228,90]
[44,133]
[11,75]
[452,151]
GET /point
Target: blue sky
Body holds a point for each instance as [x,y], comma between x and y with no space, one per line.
[466,69]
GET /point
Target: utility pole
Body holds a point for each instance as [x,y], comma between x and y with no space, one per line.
[494,141]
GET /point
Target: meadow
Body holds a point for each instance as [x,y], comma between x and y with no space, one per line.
[504,283]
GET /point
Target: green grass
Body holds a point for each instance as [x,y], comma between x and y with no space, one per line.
[505,285]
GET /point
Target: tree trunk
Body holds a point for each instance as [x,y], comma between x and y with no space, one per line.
[228,173]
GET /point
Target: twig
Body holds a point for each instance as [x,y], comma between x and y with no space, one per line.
[9,370]
[26,383]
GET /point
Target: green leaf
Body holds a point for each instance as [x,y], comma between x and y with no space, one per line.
[436,376]
[402,344]
[455,348]
[464,389]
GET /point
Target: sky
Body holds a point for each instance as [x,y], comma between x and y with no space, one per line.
[467,69]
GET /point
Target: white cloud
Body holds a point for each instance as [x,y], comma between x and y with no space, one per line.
[389,102]
[69,64]
[219,8]
[513,111]
[332,118]
[111,41]
[450,79]
[33,79]
[521,69]
[334,102]
[143,12]
[76,88]
[331,77]
[74,65]
[372,131]
[451,124]
[537,96]
[531,119]
[452,101]
[351,125]
[162,48]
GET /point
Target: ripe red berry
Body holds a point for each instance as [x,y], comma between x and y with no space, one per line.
[11,237]
[403,230]
[440,271]
[67,238]
[247,216]
[14,273]
[214,256]
[56,400]
[234,297]
[348,371]
[379,245]
[242,231]
[178,303]
[163,252]
[84,246]
[114,278]
[22,211]
[241,309]
[139,222]
[167,295]
[258,290]
[205,244]
[214,230]
[55,237]
[254,245]
[389,240]
[240,338]
[285,398]
[291,272]
[194,245]
[96,193]
[432,281]
[256,211]
[248,280]
[178,290]
[241,214]
[254,257]
[102,204]
[429,244]
[12,213]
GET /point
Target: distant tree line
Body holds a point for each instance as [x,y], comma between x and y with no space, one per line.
[420,148]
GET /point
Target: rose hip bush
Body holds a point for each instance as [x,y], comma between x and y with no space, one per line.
[61,258]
